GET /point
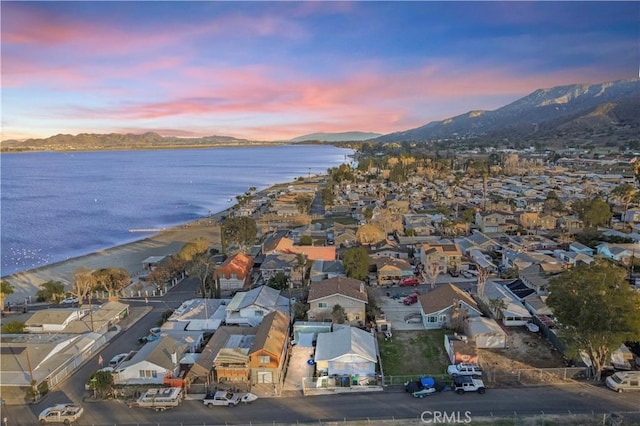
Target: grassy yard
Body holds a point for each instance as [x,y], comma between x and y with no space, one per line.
[410,353]
[341,220]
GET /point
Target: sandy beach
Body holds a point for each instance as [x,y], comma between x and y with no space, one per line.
[128,256]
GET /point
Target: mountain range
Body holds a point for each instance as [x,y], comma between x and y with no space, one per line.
[598,114]
[588,111]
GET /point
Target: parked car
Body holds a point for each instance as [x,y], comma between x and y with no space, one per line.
[69,301]
[532,327]
[464,369]
[117,360]
[408,282]
[411,299]
[424,387]
[228,399]
[462,384]
[61,413]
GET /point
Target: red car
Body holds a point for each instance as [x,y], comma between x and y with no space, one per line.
[409,281]
[411,299]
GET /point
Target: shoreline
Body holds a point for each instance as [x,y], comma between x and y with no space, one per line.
[128,256]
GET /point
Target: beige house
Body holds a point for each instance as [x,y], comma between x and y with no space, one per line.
[448,257]
[349,293]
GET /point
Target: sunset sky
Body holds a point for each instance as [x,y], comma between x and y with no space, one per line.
[277,70]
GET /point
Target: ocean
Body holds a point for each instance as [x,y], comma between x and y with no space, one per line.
[60,205]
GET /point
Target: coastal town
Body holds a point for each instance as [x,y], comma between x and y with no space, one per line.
[426,273]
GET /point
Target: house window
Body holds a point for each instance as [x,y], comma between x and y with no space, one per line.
[264,359]
[442,318]
[147,374]
[432,319]
[259,313]
[322,304]
[356,317]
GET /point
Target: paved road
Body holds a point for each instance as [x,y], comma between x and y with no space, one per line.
[392,403]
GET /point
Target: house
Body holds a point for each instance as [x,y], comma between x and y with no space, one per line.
[277,262]
[387,248]
[391,270]
[234,274]
[235,343]
[152,262]
[512,312]
[580,248]
[286,245]
[346,351]
[618,252]
[53,320]
[537,276]
[246,357]
[322,270]
[349,293]
[267,357]
[439,305]
[631,215]
[486,333]
[152,363]
[572,258]
[250,307]
[85,319]
[447,256]
[198,315]
[493,222]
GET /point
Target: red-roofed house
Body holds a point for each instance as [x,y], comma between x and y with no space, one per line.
[286,246]
[234,274]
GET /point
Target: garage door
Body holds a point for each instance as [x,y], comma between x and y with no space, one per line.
[265,377]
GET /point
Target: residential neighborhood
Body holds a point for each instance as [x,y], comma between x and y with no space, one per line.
[328,301]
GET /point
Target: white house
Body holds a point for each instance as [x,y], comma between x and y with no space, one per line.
[51,320]
[437,306]
[152,363]
[514,312]
[250,307]
[346,351]
[198,314]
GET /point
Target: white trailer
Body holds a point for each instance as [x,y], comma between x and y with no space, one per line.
[159,399]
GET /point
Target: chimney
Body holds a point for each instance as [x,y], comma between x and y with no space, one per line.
[362,288]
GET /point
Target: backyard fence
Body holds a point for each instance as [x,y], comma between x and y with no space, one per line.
[534,376]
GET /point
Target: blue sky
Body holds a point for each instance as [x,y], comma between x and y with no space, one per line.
[277,70]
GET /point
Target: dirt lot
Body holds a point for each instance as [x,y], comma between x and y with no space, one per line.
[414,353]
[526,350]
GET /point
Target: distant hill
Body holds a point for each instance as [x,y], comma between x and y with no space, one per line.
[591,112]
[336,137]
[116,141]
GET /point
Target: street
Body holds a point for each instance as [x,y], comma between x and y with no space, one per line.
[393,403]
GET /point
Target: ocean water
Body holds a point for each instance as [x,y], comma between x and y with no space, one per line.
[56,206]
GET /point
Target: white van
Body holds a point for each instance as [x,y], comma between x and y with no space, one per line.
[624,380]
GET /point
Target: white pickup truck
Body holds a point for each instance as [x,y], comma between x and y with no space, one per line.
[228,399]
[61,413]
[159,399]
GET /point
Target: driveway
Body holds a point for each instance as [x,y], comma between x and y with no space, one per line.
[396,312]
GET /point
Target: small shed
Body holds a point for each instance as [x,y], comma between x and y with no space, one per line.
[151,262]
[486,333]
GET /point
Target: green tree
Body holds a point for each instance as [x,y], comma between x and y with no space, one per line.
[592,212]
[356,263]
[303,203]
[327,196]
[51,291]
[468,215]
[5,289]
[368,214]
[279,281]
[13,327]
[338,315]
[239,230]
[596,310]
[306,240]
[101,382]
